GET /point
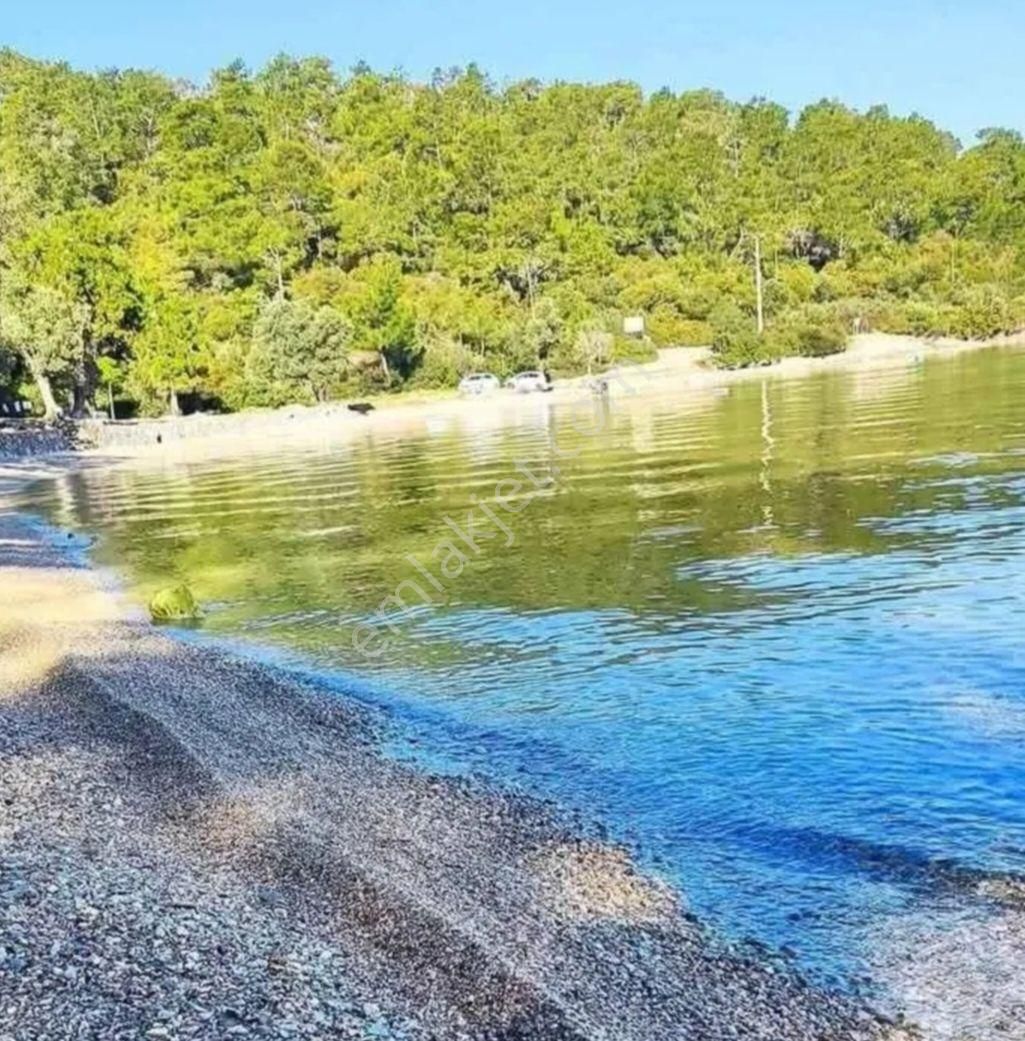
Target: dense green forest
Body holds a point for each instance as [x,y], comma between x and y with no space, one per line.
[293,235]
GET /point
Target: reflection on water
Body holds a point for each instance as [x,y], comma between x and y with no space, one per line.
[774,635]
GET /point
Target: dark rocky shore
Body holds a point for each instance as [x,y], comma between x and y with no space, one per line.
[21,439]
[192,846]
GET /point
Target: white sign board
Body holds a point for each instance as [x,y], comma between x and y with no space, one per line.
[633,325]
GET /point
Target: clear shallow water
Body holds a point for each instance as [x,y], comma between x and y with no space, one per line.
[774,636]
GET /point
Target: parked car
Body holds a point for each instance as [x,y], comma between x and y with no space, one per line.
[479,383]
[529,382]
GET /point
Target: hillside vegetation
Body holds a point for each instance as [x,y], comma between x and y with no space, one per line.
[293,235]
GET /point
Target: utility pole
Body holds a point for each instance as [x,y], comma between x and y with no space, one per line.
[758,284]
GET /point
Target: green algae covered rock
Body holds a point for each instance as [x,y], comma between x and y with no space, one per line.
[175,604]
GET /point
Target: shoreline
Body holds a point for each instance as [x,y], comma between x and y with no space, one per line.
[677,373]
[267,827]
[160,794]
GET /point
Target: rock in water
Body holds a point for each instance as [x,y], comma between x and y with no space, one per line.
[175,604]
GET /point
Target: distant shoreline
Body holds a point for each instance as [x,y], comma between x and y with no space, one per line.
[676,372]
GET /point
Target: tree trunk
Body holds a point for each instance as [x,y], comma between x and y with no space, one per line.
[174,406]
[78,400]
[53,410]
[83,388]
[758,285]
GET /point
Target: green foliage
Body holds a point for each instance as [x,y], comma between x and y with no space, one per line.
[299,352]
[166,356]
[382,322]
[735,340]
[445,361]
[9,365]
[47,331]
[539,336]
[670,330]
[192,238]
[811,332]
[632,349]
[981,311]
[45,326]
[595,346]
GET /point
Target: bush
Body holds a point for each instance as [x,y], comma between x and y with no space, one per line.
[795,284]
[819,341]
[633,349]
[668,329]
[445,361]
[812,332]
[594,346]
[299,352]
[915,318]
[735,340]
[979,313]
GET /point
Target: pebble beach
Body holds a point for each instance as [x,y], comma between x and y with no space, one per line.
[195,846]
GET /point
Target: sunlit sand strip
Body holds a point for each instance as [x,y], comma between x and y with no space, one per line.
[586,881]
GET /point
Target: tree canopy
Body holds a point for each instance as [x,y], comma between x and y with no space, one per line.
[292,234]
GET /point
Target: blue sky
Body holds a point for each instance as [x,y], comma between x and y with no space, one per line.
[961,64]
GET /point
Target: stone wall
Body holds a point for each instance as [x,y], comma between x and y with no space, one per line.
[132,434]
[20,440]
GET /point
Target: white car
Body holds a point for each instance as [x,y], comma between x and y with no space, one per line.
[479,383]
[529,382]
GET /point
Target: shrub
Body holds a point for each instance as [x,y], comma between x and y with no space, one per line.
[917,318]
[669,329]
[445,361]
[594,346]
[632,348]
[735,340]
[980,312]
[299,352]
[795,284]
[812,332]
[818,341]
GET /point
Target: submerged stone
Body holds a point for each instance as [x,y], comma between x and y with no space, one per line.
[175,604]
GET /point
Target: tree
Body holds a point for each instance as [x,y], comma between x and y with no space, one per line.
[166,355]
[541,333]
[382,322]
[595,344]
[299,351]
[48,332]
[459,222]
[80,257]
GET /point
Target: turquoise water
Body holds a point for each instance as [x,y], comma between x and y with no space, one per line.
[772,636]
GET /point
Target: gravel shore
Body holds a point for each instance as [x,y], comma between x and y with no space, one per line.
[194,846]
